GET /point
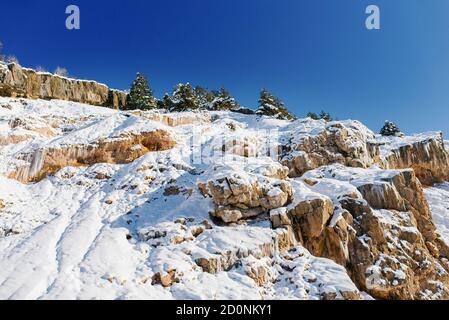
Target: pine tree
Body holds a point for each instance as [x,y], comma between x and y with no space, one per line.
[204,98]
[325,116]
[313,116]
[271,106]
[224,101]
[140,96]
[165,103]
[184,98]
[390,129]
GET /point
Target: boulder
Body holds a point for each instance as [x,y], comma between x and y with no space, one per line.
[240,195]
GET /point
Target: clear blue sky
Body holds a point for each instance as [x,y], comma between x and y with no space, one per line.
[313,54]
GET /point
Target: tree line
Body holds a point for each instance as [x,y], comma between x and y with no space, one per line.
[185,97]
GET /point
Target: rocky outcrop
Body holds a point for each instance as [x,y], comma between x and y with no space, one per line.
[45,161]
[225,260]
[315,143]
[428,157]
[379,227]
[240,195]
[16,81]
[312,144]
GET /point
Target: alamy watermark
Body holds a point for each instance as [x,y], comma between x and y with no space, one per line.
[372,22]
[73,21]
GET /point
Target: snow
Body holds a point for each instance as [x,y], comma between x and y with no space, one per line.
[390,143]
[104,231]
[438,198]
[356,176]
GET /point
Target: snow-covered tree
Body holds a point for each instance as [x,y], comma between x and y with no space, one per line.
[269,105]
[224,101]
[140,95]
[61,72]
[11,59]
[390,129]
[165,103]
[41,69]
[204,97]
[325,116]
[313,116]
[184,98]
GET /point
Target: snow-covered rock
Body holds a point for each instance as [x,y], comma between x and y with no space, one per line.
[16,81]
[100,204]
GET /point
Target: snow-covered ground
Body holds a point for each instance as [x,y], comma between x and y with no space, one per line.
[120,230]
[104,231]
[438,198]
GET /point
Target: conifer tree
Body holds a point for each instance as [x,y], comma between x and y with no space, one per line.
[390,129]
[269,105]
[184,98]
[325,116]
[165,103]
[140,95]
[313,116]
[204,98]
[224,101]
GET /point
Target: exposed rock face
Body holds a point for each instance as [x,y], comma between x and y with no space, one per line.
[222,261]
[240,195]
[16,81]
[46,161]
[428,157]
[379,228]
[310,146]
[314,143]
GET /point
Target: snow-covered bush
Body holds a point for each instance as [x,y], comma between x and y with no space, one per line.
[390,129]
[11,59]
[61,72]
[41,69]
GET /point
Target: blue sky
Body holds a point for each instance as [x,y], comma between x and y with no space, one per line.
[313,54]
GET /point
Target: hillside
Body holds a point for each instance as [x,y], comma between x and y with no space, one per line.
[103,204]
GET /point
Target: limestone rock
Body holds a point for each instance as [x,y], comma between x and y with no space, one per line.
[427,155]
[238,194]
[16,81]
[314,143]
[380,229]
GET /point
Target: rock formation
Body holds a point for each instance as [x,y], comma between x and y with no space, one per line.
[238,195]
[379,227]
[16,81]
[314,143]
[427,156]
[96,203]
